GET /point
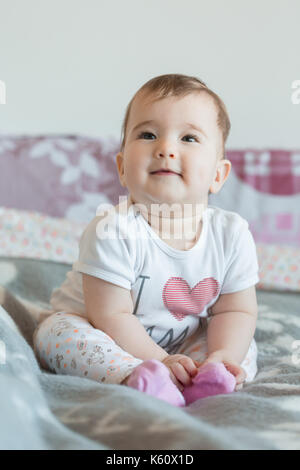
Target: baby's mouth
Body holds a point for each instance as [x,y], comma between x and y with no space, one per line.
[164,173]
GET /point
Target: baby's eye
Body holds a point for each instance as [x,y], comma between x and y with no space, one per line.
[191,136]
[142,134]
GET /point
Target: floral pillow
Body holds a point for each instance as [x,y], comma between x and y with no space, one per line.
[60,176]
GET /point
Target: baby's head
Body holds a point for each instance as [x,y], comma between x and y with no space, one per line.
[174,122]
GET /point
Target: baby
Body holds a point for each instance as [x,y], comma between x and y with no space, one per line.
[164,300]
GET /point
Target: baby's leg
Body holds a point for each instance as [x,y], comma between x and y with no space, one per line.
[68,344]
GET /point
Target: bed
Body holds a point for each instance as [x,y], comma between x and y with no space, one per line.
[38,243]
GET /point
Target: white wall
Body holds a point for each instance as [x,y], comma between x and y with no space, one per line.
[71,66]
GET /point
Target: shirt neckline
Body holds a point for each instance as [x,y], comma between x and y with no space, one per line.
[174,252]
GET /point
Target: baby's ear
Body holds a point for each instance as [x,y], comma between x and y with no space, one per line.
[120,166]
[221,174]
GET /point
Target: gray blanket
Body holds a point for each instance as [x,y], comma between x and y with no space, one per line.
[40,410]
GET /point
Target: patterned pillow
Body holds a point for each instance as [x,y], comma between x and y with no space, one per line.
[279,267]
[25,234]
[60,176]
[264,188]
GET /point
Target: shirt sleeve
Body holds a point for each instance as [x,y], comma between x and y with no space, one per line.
[107,253]
[242,268]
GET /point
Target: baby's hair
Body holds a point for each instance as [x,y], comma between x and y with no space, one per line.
[174,84]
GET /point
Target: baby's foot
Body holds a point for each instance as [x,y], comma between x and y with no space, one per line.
[153,377]
[212,379]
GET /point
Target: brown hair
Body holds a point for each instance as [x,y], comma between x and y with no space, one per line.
[179,85]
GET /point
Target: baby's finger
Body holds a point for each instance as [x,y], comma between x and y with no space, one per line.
[240,378]
[181,374]
[240,375]
[175,381]
[189,365]
[197,364]
[237,371]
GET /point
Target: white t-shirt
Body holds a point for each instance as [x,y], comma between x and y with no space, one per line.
[171,289]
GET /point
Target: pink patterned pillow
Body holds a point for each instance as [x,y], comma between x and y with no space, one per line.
[60,176]
[264,188]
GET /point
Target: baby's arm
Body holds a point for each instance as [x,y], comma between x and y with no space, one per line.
[109,308]
[232,325]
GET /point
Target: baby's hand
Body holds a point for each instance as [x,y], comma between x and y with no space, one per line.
[181,368]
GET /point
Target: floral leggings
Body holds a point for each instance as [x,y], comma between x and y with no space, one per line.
[65,343]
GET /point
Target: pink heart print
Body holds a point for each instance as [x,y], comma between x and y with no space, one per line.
[181,300]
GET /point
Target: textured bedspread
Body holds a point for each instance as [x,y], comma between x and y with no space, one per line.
[40,410]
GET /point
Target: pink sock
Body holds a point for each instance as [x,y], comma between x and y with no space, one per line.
[212,379]
[153,377]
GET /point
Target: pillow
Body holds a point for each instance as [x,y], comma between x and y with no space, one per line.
[264,188]
[60,176]
[279,267]
[26,234]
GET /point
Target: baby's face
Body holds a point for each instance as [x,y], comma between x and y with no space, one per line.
[183,127]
